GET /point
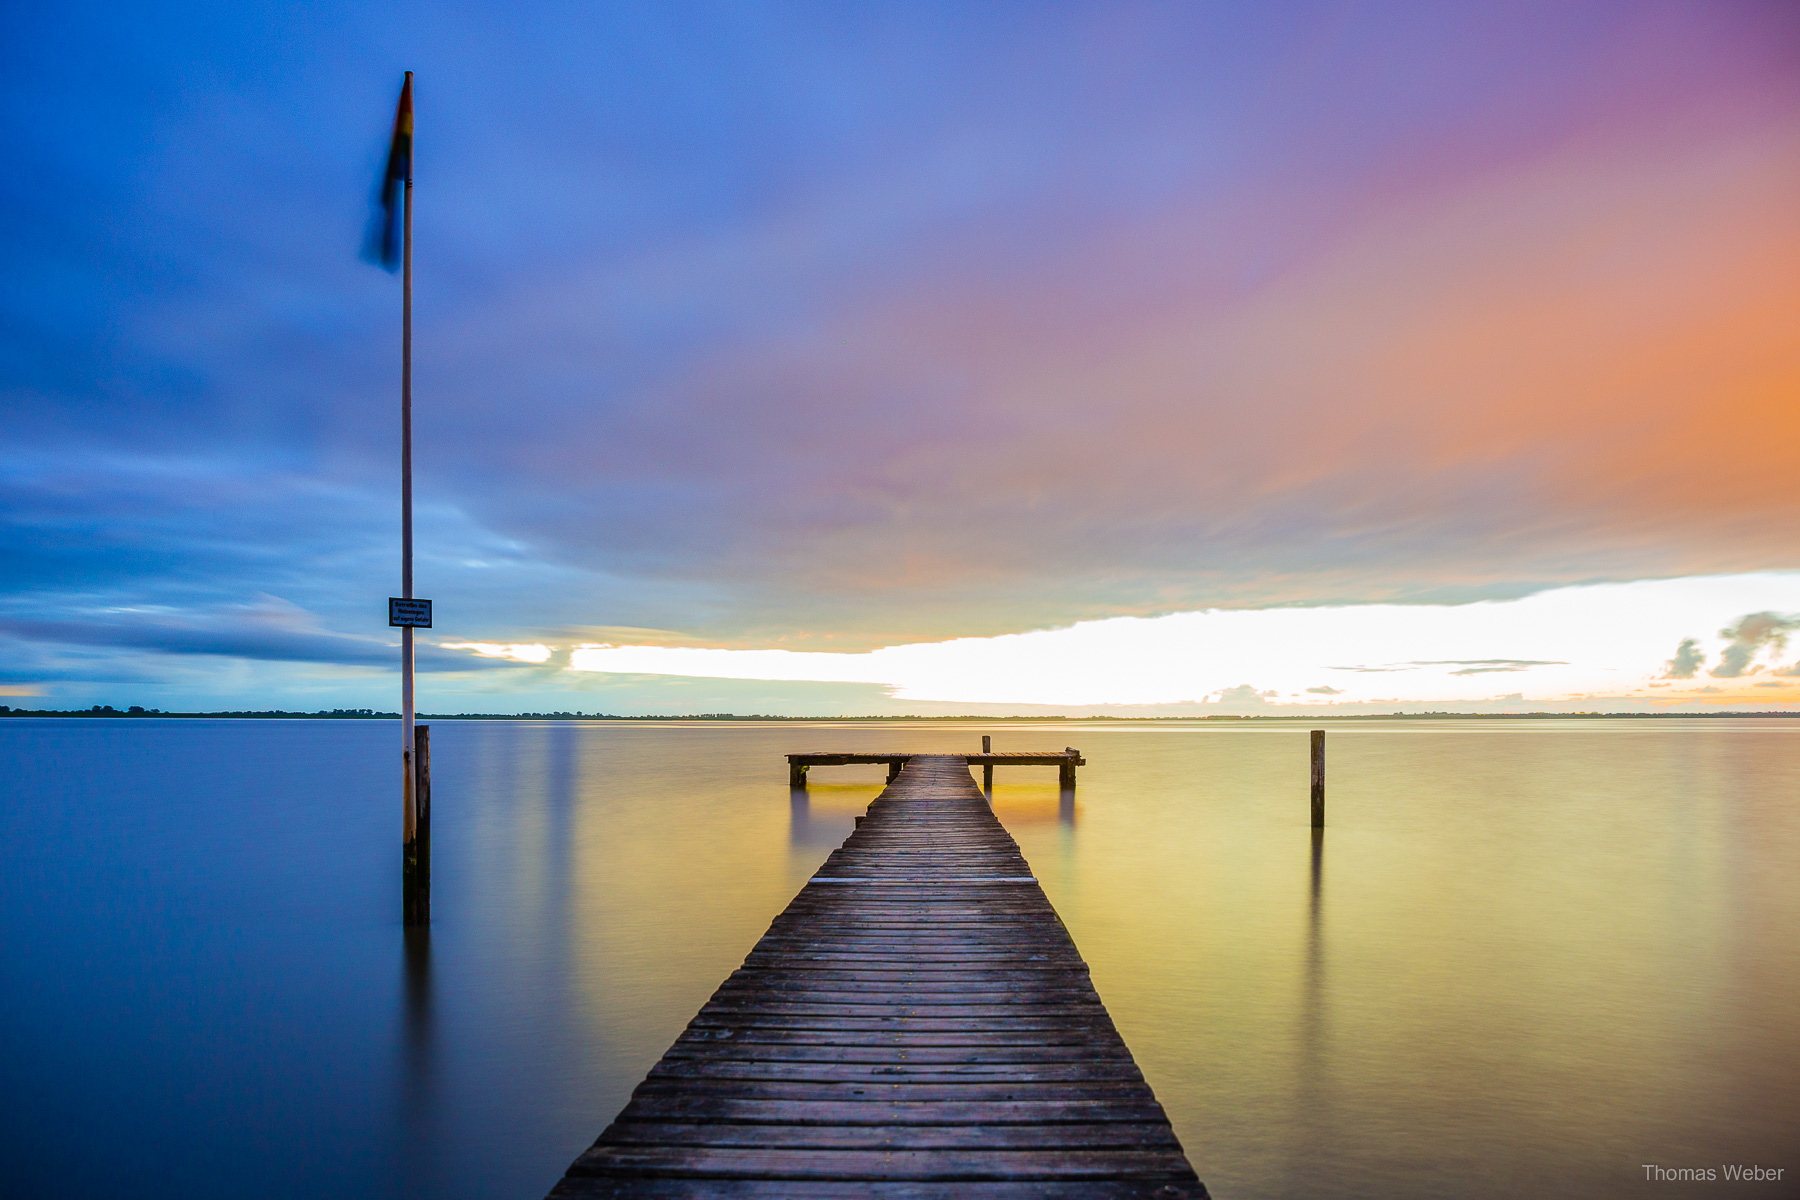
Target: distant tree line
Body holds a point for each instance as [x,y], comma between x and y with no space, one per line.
[354,714]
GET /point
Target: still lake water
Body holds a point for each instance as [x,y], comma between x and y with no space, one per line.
[1526,957]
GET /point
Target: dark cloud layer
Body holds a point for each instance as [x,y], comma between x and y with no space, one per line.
[271,632]
[267,635]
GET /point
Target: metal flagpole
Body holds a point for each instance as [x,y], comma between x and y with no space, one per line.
[390,247]
[409,810]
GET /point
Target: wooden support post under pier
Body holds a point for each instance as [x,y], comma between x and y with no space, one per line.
[987,769]
[917,1023]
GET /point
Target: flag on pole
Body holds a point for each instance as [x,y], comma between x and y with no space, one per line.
[382,245]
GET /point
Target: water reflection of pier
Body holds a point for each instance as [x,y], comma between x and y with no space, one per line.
[809,829]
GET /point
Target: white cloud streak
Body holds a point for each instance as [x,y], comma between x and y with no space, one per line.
[525,652]
[1605,639]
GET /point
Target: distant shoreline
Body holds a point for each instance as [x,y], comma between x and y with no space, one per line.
[106,712]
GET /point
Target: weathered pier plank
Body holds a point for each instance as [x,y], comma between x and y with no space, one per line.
[917,1024]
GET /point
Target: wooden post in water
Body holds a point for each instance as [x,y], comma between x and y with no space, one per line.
[796,775]
[1065,776]
[1318,779]
[416,868]
[894,771]
[987,769]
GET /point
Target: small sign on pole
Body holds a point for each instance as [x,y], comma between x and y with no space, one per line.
[409,612]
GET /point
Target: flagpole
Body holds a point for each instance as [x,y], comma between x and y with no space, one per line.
[408,785]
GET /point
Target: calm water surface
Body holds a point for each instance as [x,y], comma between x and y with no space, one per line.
[1526,958]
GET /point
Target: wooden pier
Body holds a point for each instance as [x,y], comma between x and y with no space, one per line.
[916,1024]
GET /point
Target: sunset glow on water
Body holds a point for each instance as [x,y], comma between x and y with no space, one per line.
[1525,958]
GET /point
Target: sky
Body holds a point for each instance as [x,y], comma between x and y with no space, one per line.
[878,358]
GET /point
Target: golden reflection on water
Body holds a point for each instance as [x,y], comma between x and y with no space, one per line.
[1523,957]
[1516,972]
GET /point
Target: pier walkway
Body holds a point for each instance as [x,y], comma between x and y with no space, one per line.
[916,1024]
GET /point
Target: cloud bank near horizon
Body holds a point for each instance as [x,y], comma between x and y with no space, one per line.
[1654,645]
[1563,645]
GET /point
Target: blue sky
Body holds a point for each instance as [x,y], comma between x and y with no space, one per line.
[827,328]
